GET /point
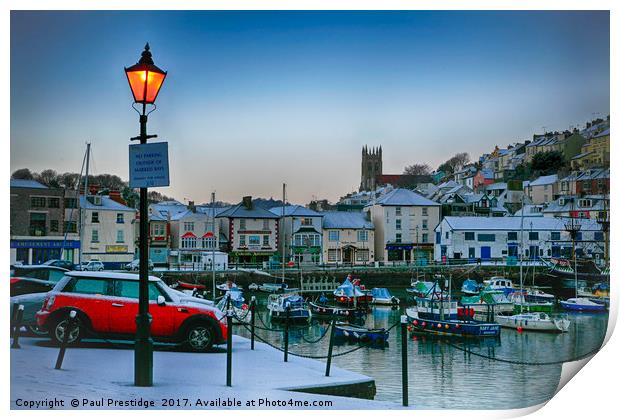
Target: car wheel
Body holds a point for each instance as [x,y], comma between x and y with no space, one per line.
[200,337]
[36,330]
[57,332]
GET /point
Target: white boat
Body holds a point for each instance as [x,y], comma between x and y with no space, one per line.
[534,321]
[278,304]
[499,283]
[273,287]
[382,296]
[488,301]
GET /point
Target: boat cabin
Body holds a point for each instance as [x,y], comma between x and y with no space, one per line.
[436,309]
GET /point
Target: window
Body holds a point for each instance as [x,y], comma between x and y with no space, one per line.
[70,227]
[95,236]
[425,238]
[208,243]
[585,203]
[188,243]
[486,237]
[306,221]
[241,240]
[37,202]
[188,226]
[87,286]
[424,211]
[53,225]
[579,236]
[157,229]
[362,235]
[598,236]
[266,224]
[253,240]
[398,211]
[120,218]
[120,236]
[512,236]
[242,224]
[70,203]
[332,254]
[53,202]
[533,236]
[399,237]
[361,255]
[131,289]
[265,240]
[555,236]
[398,224]
[447,235]
[469,236]
[424,223]
[334,235]
[94,217]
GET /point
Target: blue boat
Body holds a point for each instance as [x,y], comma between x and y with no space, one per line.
[470,287]
[441,317]
[350,332]
[334,311]
[582,305]
[298,309]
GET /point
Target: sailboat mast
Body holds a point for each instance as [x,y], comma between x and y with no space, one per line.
[521,253]
[282,233]
[81,215]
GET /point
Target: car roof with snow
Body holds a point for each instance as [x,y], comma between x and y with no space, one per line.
[109,275]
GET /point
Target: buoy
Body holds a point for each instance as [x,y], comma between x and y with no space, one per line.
[415,322]
[447,326]
[519,329]
[423,324]
[438,325]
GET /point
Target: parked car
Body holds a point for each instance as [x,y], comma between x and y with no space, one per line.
[47,273]
[107,303]
[26,285]
[92,265]
[135,265]
[60,263]
[32,302]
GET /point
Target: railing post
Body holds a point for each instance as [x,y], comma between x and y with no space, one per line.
[331,345]
[228,342]
[18,316]
[288,315]
[252,319]
[405,379]
[71,321]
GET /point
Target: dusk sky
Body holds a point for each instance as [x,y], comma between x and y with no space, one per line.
[254,99]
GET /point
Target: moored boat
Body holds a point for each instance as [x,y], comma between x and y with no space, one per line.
[521,304]
[382,296]
[273,287]
[359,333]
[582,305]
[334,311]
[488,304]
[500,284]
[349,294]
[470,287]
[298,309]
[534,321]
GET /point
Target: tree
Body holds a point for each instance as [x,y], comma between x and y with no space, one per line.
[455,163]
[547,163]
[22,174]
[417,169]
[48,177]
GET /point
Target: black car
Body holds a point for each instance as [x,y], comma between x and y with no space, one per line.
[27,285]
[60,263]
[43,273]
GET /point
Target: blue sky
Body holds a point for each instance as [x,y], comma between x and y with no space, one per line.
[254,99]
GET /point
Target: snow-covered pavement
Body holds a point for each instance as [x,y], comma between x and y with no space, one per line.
[103,376]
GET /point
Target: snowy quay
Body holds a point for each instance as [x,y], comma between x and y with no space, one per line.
[99,375]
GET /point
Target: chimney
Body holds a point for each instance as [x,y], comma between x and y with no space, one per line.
[116,196]
[192,207]
[247,202]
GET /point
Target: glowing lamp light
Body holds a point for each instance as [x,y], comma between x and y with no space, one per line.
[145,78]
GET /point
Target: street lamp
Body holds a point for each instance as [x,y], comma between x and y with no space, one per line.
[145,80]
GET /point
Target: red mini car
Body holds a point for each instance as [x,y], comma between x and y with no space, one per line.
[107,305]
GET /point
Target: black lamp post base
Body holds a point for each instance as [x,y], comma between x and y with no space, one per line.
[143,355]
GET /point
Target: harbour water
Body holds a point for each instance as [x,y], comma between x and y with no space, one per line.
[451,373]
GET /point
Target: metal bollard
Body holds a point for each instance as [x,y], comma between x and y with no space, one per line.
[332,333]
[71,321]
[252,319]
[288,316]
[403,334]
[19,316]
[229,321]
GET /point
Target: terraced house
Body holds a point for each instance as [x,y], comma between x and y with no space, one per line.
[302,232]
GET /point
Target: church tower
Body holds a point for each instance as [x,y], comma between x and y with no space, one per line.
[372,168]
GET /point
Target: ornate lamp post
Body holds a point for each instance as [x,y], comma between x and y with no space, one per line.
[145,80]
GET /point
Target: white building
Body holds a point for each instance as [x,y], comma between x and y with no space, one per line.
[500,237]
[301,230]
[108,231]
[348,237]
[404,224]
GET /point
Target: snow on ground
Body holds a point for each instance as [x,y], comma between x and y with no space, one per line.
[98,371]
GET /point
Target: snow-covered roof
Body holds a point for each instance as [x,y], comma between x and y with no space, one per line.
[497,186]
[513,223]
[26,183]
[241,212]
[404,197]
[108,275]
[544,180]
[106,204]
[295,210]
[346,220]
[601,134]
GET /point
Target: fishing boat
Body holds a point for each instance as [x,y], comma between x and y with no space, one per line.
[273,287]
[488,303]
[581,304]
[420,288]
[534,294]
[359,333]
[470,287]
[382,296]
[278,304]
[500,284]
[348,294]
[440,317]
[534,321]
[334,311]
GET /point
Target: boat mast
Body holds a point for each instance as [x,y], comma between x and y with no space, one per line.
[77,198]
[81,215]
[215,241]
[521,253]
[282,233]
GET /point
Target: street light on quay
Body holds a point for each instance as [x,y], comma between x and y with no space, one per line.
[145,80]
